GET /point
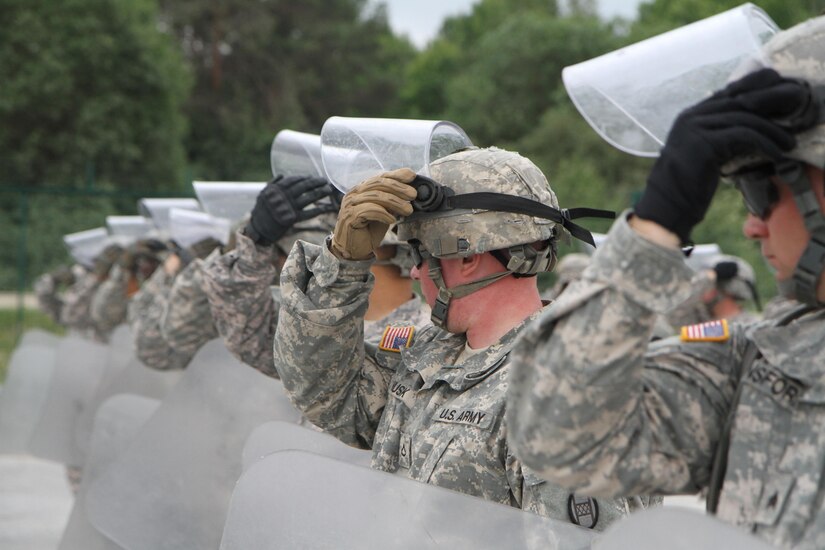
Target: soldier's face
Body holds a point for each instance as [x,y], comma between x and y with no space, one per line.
[782,234]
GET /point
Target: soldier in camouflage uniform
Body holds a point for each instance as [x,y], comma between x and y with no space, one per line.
[429,403]
[242,286]
[76,312]
[571,266]
[110,303]
[722,287]
[50,286]
[149,306]
[736,410]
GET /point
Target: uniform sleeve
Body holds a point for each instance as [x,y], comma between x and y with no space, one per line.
[46,291]
[77,303]
[237,286]
[320,353]
[110,302]
[186,322]
[145,311]
[594,407]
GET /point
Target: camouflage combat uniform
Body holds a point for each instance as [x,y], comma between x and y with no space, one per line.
[77,301]
[424,417]
[244,308]
[45,288]
[145,312]
[110,302]
[631,418]
[186,323]
[413,312]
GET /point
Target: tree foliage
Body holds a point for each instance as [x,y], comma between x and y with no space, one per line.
[89,84]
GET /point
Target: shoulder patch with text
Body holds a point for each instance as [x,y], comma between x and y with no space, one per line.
[395,338]
[712,331]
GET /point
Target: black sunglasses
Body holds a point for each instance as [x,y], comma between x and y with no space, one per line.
[758,189]
[418,254]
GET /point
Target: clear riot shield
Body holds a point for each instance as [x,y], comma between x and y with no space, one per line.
[354,149]
[127,229]
[631,96]
[187,227]
[24,394]
[78,369]
[231,200]
[295,499]
[676,529]
[282,436]
[116,423]
[37,337]
[171,488]
[158,210]
[84,246]
[296,154]
[124,373]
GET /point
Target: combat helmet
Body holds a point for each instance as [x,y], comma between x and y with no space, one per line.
[493,201]
[798,53]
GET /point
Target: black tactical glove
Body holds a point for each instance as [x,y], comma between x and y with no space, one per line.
[731,123]
[283,203]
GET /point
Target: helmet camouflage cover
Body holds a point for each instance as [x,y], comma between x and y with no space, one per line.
[461,233]
[798,52]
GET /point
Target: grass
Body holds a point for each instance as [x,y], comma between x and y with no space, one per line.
[9,332]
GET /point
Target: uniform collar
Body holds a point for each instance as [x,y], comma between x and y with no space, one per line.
[434,361]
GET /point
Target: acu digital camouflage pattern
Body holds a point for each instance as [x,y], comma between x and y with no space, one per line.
[77,302]
[413,312]
[462,233]
[145,312]
[110,302]
[424,417]
[186,323]
[244,311]
[48,299]
[628,418]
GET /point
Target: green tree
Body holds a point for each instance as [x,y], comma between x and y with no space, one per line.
[264,65]
[89,85]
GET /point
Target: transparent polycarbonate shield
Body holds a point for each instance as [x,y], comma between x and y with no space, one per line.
[131,377]
[116,423]
[188,227]
[632,95]
[128,229]
[228,199]
[354,149]
[701,255]
[284,436]
[84,246]
[295,499]
[79,366]
[158,210]
[178,473]
[37,337]
[31,368]
[296,154]
[676,529]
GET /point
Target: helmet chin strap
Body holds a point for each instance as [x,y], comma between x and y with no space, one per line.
[802,285]
[442,300]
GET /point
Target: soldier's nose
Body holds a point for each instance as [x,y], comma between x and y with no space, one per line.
[754,227]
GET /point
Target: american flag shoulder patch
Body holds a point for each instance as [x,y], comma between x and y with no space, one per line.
[395,338]
[712,331]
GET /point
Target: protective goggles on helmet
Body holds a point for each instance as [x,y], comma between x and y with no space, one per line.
[418,253]
[435,197]
[758,187]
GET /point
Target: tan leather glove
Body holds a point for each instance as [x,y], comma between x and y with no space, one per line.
[368,210]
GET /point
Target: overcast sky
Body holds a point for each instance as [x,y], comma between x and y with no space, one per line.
[421,19]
